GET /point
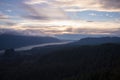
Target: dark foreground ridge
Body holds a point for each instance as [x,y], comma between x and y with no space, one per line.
[98,62]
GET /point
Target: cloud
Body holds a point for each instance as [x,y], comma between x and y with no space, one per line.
[50,17]
[35,1]
[69,27]
[78,5]
[9,31]
[99,5]
[2,16]
[43,11]
[95,31]
[27,32]
[110,4]
[6,20]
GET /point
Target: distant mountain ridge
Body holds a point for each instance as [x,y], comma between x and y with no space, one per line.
[15,41]
[97,41]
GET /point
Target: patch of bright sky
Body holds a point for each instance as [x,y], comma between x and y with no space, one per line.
[94,15]
[11,7]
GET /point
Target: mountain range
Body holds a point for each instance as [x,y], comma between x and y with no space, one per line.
[96,41]
[15,41]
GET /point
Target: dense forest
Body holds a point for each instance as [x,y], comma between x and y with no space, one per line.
[88,62]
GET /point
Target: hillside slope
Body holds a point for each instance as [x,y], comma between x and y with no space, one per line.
[15,41]
[100,62]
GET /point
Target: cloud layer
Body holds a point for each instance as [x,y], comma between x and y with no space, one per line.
[53,17]
[78,5]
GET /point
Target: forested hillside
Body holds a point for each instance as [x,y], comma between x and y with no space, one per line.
[100,62]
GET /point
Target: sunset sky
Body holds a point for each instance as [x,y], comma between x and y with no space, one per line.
[65,19]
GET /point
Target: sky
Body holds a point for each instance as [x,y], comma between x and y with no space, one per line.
[64,19]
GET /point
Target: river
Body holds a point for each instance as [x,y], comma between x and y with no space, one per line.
[38,45]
